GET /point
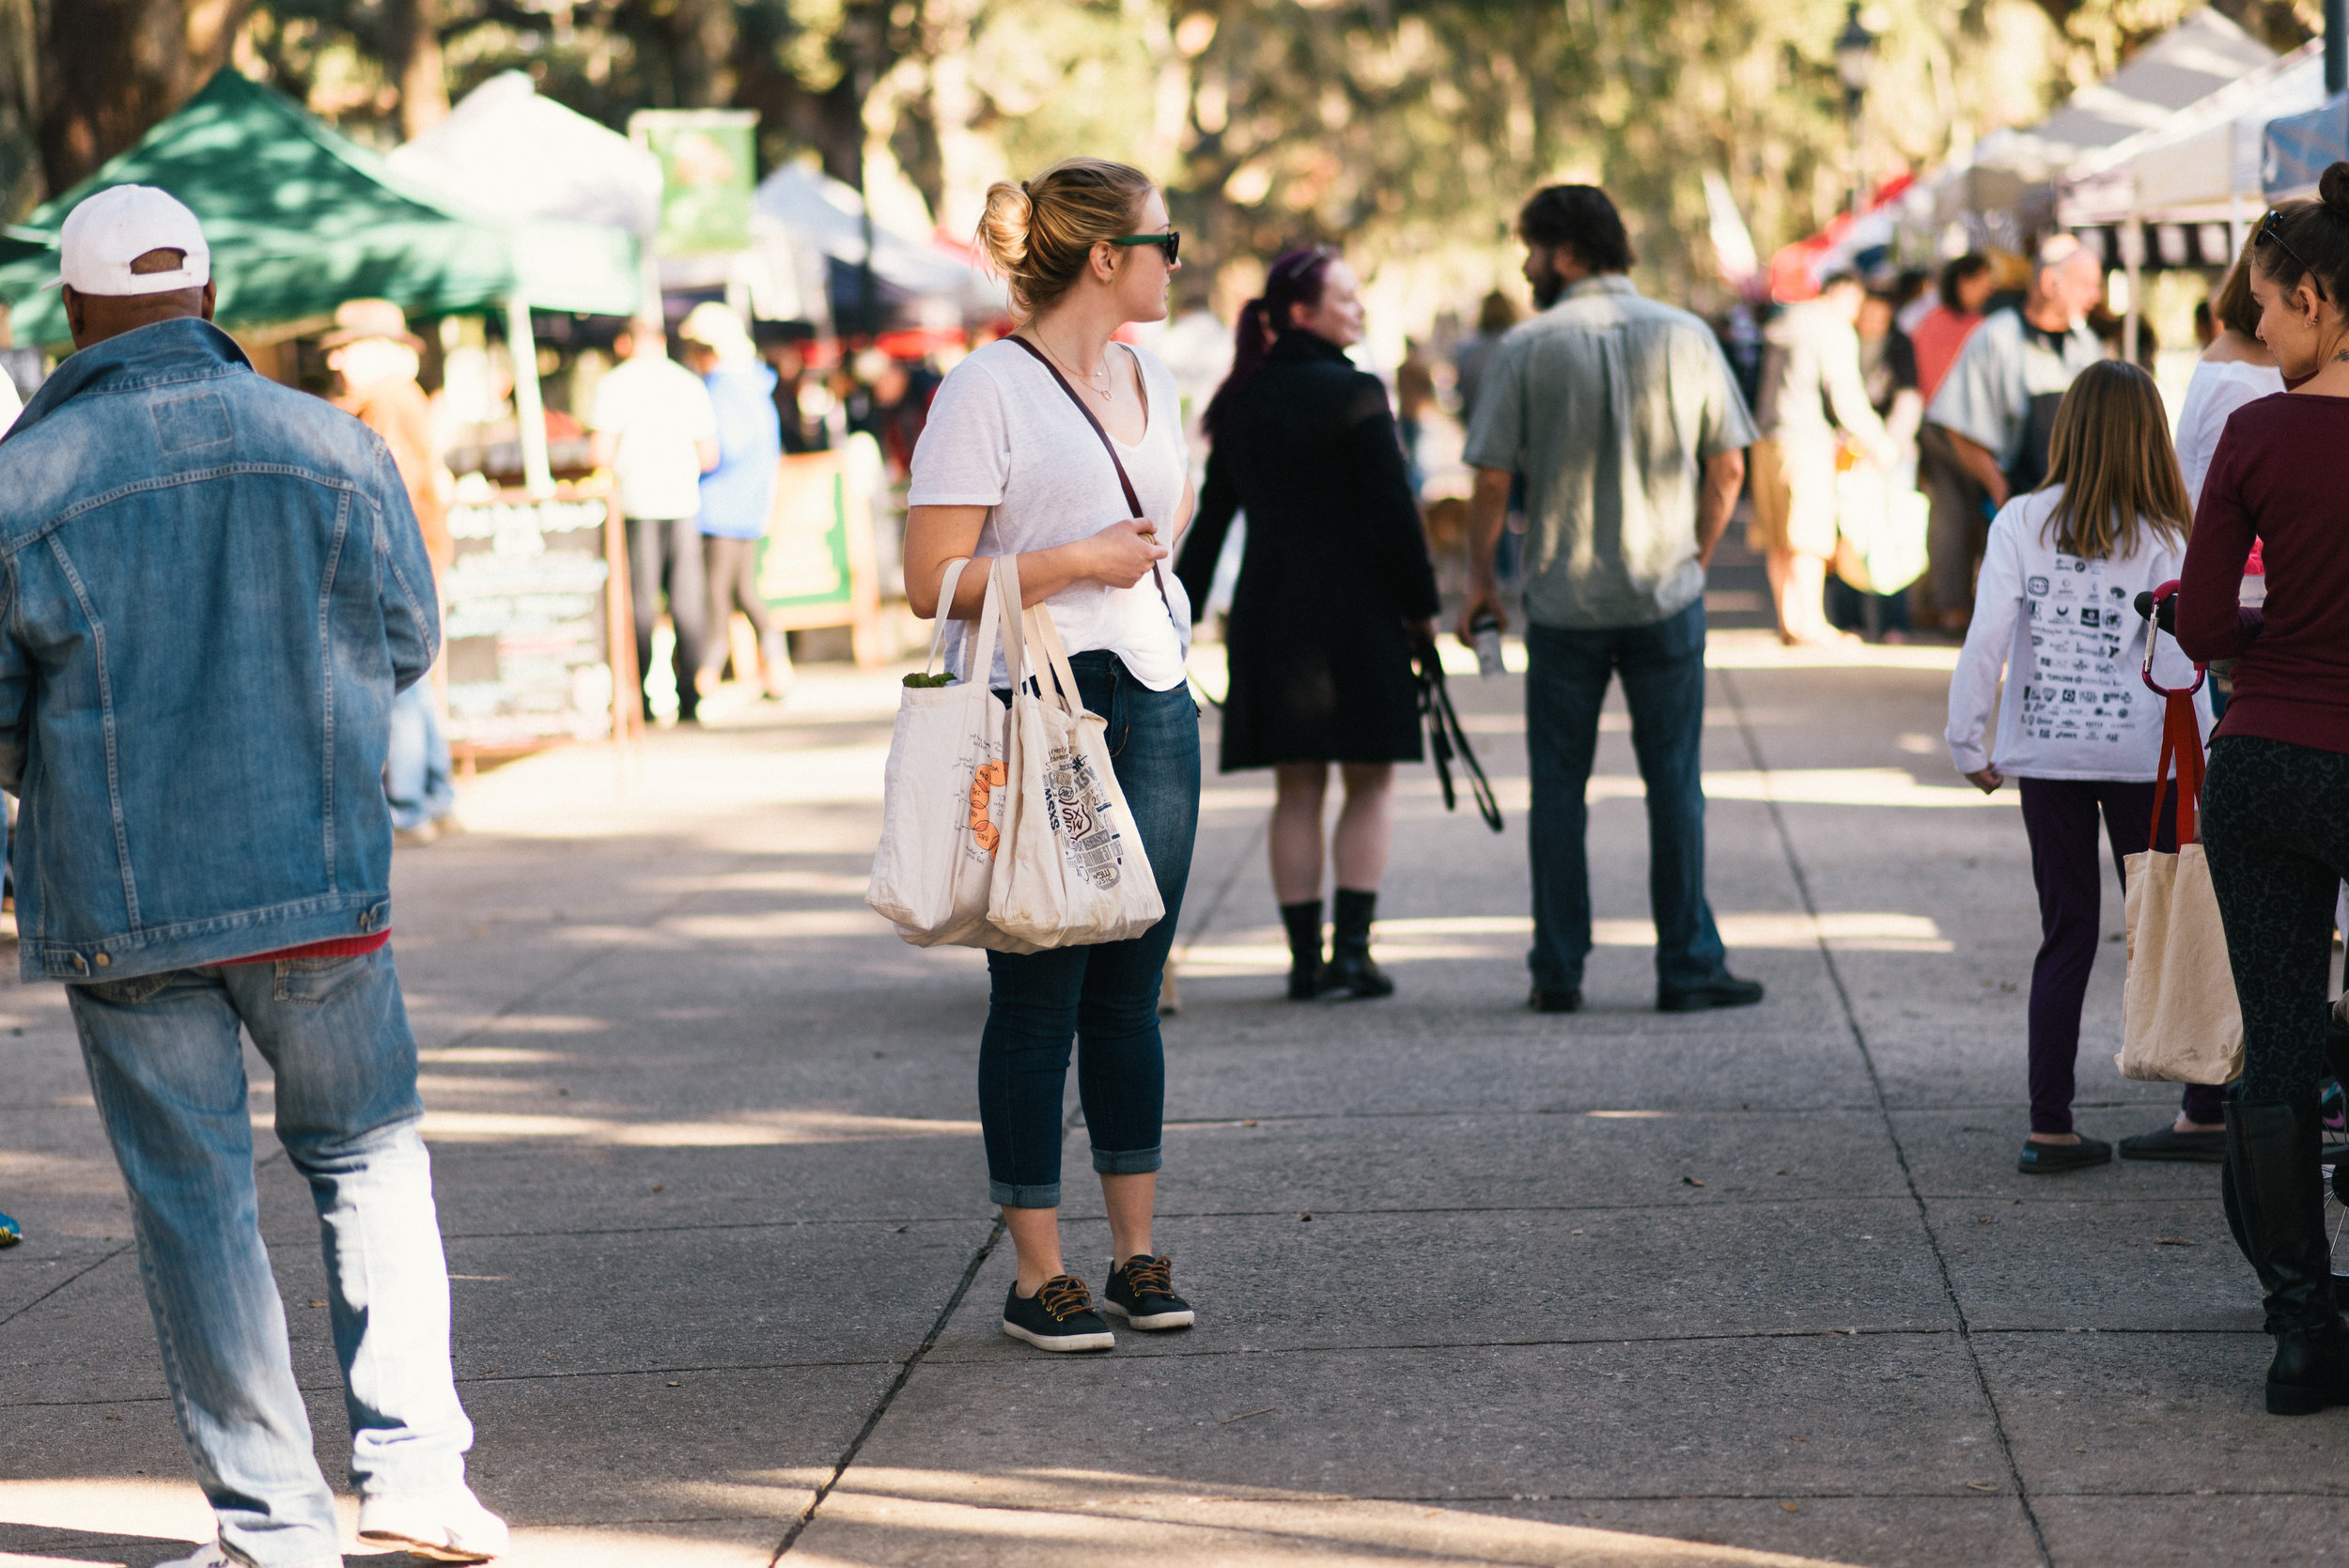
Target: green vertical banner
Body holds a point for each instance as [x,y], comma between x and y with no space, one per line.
[707,165]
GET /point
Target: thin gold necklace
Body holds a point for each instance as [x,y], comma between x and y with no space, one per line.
[1107,395]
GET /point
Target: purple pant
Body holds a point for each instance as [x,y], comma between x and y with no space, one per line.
[2060,816]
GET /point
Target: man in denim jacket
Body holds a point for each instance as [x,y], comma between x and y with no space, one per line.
[210,588]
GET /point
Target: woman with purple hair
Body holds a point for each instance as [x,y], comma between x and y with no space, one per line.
[1335,594]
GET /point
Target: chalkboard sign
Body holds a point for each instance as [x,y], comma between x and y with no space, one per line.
[528,614]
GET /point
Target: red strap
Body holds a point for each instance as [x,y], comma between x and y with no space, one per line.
[2181,747]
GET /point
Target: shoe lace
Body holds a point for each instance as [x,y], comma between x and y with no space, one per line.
[1065,1295]
[1151,1277]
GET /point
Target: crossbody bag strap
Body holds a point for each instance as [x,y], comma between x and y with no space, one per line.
[1132,500]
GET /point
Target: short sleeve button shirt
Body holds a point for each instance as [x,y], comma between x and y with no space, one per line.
[1986,396]
[1610,404]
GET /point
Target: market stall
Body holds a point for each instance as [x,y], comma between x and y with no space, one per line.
[2004,193]
[301,219]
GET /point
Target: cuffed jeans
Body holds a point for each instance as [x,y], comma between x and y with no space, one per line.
[1104,996]
[1662,666]
[168,1072]
[419,780]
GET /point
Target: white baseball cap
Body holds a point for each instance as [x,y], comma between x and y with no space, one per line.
[107,232]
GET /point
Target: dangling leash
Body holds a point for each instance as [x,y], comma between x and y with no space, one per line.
[1446,738]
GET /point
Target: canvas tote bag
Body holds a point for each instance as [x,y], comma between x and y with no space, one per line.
[2180,1021]
[1881,525]
[942,811]
[1071,870]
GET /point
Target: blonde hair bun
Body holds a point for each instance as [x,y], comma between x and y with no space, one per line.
[1003,227]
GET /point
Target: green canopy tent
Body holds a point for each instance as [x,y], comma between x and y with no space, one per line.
[301,218]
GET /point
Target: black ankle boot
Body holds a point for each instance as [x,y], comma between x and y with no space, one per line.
[1304,923]
[2278,1213]
[1349,968]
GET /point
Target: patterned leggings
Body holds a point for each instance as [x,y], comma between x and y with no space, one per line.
[2276,826]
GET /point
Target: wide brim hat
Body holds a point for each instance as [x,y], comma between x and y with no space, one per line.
[357,320]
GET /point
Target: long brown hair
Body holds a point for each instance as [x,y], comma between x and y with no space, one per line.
[2233,305]
[2110,451]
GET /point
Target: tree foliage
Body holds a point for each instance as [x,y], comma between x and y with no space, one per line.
[1403,126]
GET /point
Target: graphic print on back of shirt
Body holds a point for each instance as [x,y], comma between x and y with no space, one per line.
[2079,621]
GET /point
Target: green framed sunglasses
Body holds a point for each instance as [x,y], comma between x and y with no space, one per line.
[1169,243]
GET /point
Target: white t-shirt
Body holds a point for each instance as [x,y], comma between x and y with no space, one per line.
[1003,434]
[2067,633]
[10,404]
[2212,396]
[658,410]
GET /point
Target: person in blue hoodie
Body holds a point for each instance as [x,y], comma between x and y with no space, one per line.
[739,493]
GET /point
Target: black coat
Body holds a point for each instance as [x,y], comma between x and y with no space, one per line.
[1336,563]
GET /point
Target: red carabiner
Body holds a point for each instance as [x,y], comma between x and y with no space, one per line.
[2153,632]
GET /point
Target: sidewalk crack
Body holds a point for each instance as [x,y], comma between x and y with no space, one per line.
[1884,1109]
[889,1395]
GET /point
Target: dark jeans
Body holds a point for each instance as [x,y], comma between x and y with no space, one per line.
[1956,529]
[1662,667]
[2059,818]
[665,554]
[1105,996]
[2279,845]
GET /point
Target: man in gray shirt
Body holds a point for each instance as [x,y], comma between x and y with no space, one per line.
[1622,414]
[1997,402]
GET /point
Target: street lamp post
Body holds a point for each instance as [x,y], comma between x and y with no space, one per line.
[1855,61]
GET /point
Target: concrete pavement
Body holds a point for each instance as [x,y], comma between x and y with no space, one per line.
[1474,1285]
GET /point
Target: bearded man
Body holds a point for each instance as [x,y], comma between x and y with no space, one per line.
[1623,416]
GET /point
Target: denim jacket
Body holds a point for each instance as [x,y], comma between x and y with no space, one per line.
[210,587]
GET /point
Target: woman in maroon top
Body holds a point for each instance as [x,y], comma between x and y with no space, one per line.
[2276,800]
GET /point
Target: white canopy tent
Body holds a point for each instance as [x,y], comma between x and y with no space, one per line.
[553,178]
[2005,191]
[506,150]
[803,221]
[2203,166]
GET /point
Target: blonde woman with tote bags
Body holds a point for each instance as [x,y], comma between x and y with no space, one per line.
[1064,449]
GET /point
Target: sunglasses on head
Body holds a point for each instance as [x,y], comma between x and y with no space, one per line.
[1169,243]
[2273,230]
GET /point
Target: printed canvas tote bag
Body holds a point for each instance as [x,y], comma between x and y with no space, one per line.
[942,811]
[1071,870]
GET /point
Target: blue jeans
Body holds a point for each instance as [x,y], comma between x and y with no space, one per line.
[419,782]
[1105,996]
[1662,668]
[168,1072]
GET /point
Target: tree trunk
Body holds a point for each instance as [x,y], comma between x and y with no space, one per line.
[117,67]
[412,53]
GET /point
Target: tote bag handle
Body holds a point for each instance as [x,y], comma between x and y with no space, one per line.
[979,651]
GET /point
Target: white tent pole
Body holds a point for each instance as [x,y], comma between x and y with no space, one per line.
[2132,249]
[530,414]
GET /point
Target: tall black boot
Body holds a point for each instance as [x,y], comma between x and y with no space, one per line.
[2279,1205]
[1304,923]
[1349,968]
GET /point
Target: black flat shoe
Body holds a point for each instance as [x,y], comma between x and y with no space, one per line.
[2199,1148]
[2054,1159]
[1727,991]
[1555,1002]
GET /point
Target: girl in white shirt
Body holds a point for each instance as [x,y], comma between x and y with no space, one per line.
[2080,732]
[1021,455]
